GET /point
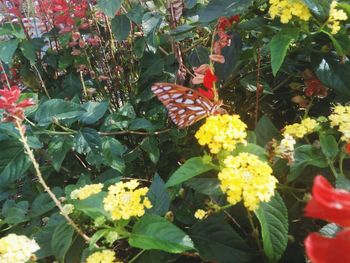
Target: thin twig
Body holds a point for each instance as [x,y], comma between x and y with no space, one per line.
[30,154]
[133,132]
[257,92]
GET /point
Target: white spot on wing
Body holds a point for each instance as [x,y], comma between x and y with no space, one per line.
[182,111]
[165,97]
[195,108]
[167,88]
[157,90]
[188,101]
[178,100]
[177,95]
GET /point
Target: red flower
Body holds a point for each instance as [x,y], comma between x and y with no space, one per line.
[322,249]
[347,148]
[314,87]
[209,93]
[8,102]
[209,79]
[327,203]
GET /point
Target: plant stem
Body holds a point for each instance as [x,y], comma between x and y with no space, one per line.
[30,154]
[251,222]
[137,255]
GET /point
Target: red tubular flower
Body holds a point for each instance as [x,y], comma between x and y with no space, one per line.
[328,203]
[209,79]
[8,102]
[209,93]
[322,249]
[347,148]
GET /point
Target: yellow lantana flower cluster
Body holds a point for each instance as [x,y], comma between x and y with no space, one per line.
[286,9]
[17,249]
[341,118]
[86,191]
[124,200]
[299,130]
[222,132]
[335,16]
[245,177]
[104,256]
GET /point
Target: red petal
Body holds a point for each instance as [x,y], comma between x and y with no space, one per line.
[328,203]
[207,93]
[25,103]
[322,249]
[209,79]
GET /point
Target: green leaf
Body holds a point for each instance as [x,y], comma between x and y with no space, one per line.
[279,45]
[58,149]
[15,213]
[150,23]
[113,152]
[253,149]
[121,27]
[333,73]
[159,197]
[306,155]
[232,54]
[29,48]
[217,241]
[329,146]
[266,131]
[141,124]
[135,14]
[343,183]
[94,111]
[191,168]
[139,47]
[199,56]
[319,7]
[13,162]
[41,205]
[61,240]
[58,109]
[91,206]
[207,186]
[7,49]
[150,146]
[89,142]
[217,8]
[109,7]
[154,232]
[273,218]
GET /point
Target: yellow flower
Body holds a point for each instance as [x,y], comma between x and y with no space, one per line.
[222,132]
[286,9]
[67,209]
[341,118]
[86,191]
[17,249]
[299,130]
[124,200]
[247,178]
[200,214]
[335,16]
[104,256]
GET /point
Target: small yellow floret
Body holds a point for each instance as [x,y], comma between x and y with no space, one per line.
[86,191]
[299,130]
[17,249]
[245,177]
[200,214]
[222,132]
[124,200]
[104,256]
[335,16]
[286,9]
[341,118]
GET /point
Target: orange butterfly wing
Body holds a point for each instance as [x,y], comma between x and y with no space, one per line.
[185,106]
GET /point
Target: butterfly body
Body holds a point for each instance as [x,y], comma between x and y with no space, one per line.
[185,106]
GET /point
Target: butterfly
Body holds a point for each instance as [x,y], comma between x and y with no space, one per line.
[185,106]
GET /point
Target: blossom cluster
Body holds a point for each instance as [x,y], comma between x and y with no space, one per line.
[103,256]
[17,249]
[299,130]
[245,177]
[341,118]
[332,205]
[125,200]
[335,16]
[285,149]
[9,103]
[222,132]
[200,214]
[86,191]
[286,9]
